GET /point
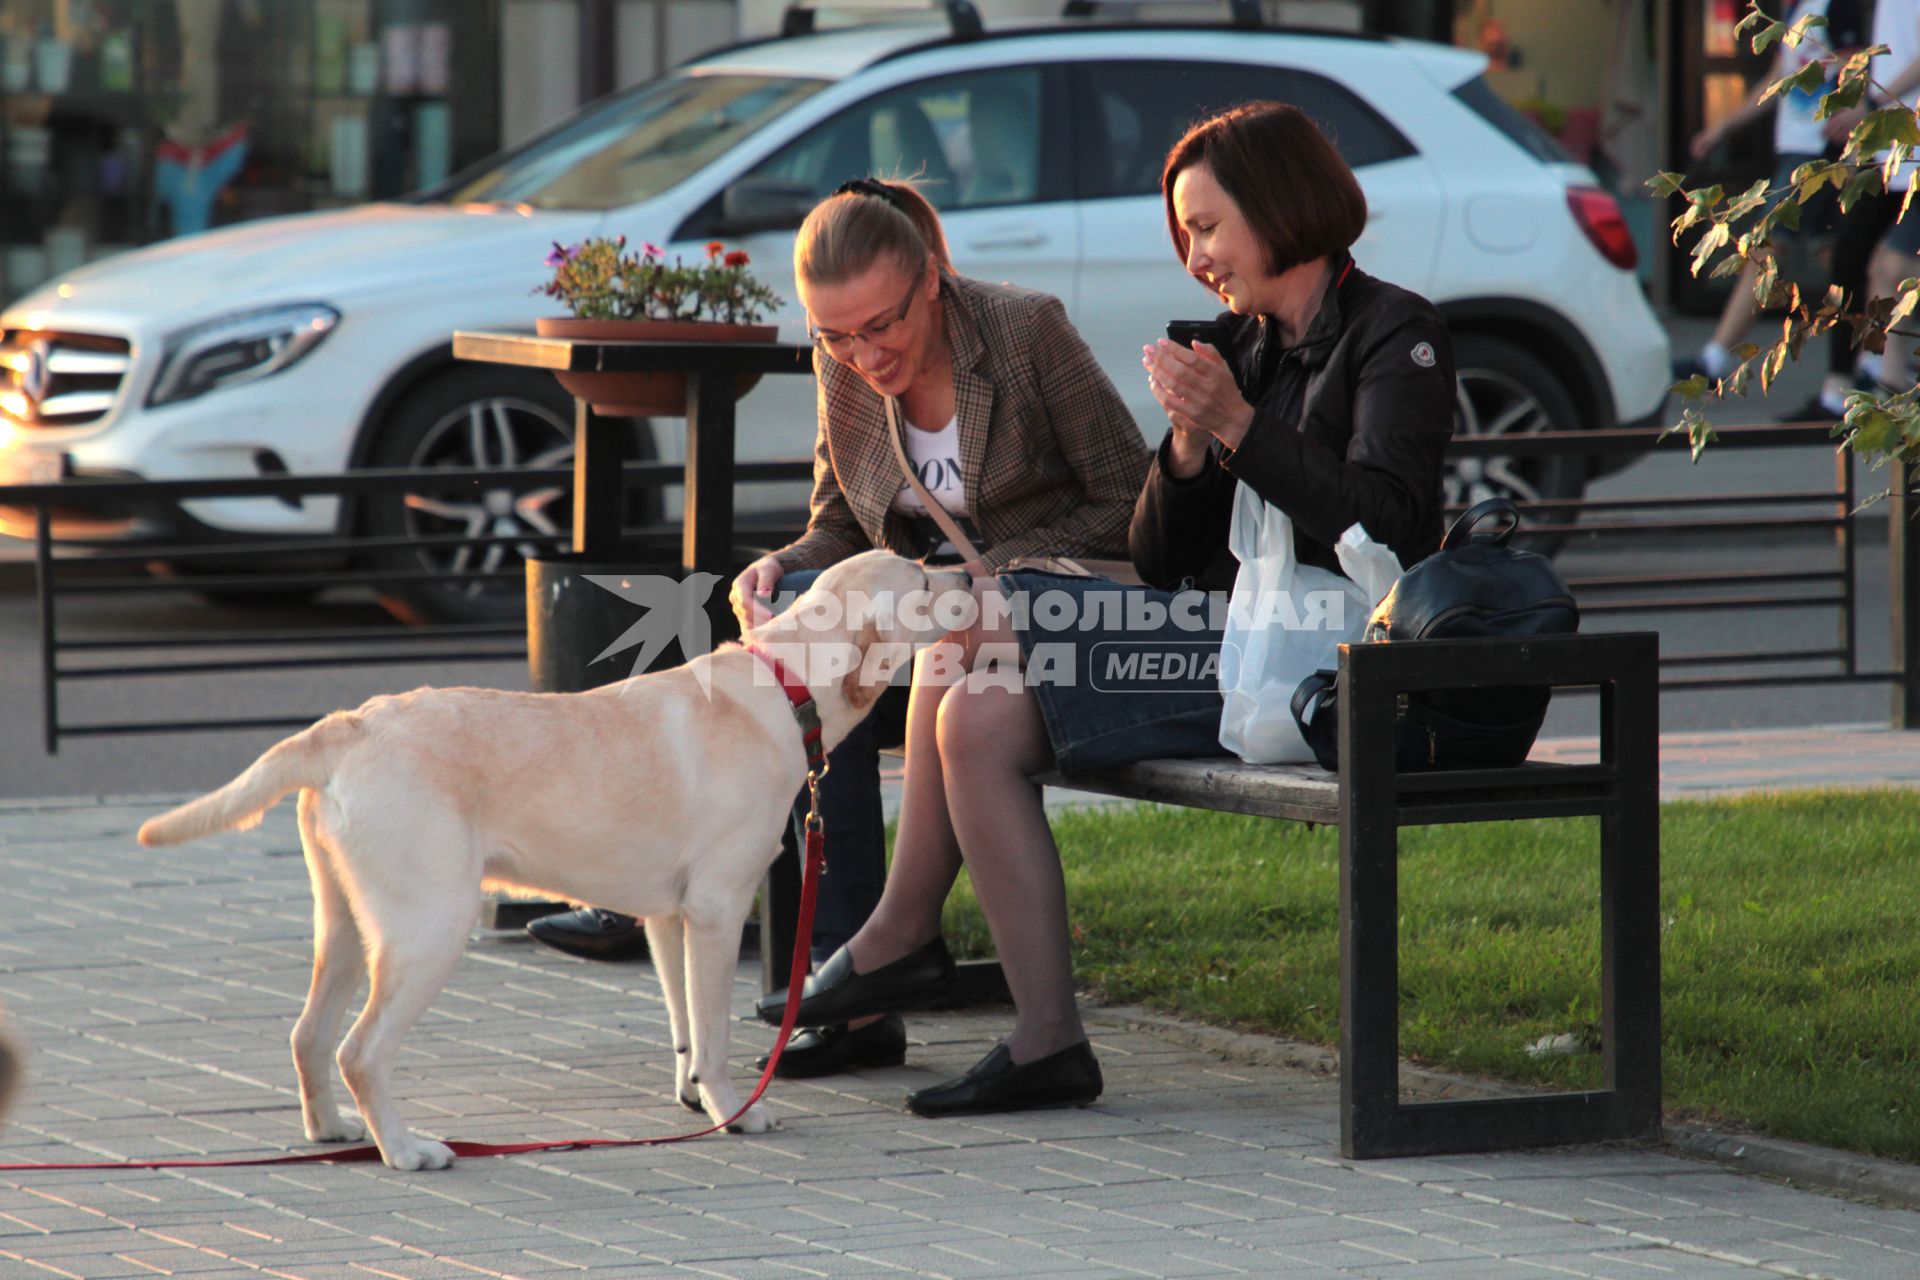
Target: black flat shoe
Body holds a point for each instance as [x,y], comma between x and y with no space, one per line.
[827,1051]
[1069,1078]
[592,934]
[920,979]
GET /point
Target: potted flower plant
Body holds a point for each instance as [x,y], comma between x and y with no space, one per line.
[615,294]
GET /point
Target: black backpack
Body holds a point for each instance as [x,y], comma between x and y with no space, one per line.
[1475,585]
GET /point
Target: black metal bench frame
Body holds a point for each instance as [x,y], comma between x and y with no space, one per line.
[1369,801]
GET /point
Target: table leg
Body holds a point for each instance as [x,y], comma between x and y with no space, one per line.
[707,537]
[599,494]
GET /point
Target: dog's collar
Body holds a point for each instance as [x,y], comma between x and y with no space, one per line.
[805,710]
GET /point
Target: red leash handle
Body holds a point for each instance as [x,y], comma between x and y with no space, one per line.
[815,863]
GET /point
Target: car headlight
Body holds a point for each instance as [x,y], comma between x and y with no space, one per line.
[238,348]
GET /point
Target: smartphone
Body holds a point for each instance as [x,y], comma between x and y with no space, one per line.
[1217,334]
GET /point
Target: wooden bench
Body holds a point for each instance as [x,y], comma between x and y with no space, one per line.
[1369,801]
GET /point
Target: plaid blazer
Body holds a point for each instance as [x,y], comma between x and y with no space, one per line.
[1051,460]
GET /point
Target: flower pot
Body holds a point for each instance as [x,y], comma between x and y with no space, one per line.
[646,395]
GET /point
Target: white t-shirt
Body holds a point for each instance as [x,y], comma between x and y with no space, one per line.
[1795,131]
[1896,24]
[935,456]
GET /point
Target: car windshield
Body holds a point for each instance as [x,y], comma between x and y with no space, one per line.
[633,147]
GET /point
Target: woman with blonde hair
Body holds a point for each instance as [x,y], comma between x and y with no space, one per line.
[1012,428]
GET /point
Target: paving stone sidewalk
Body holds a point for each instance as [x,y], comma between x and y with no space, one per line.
[158,989]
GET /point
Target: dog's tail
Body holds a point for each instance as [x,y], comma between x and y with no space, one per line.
[304,760]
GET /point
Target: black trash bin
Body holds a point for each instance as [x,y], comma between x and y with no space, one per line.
[578,609]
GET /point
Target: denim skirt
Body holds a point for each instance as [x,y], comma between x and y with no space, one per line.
[1120,673]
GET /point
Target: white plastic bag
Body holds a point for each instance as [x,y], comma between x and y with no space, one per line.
[1372,565]
[1285,621]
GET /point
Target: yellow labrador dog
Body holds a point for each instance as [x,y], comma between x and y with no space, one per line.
[662,796]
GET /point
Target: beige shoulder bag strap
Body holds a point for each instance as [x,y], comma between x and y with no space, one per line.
[1118,570]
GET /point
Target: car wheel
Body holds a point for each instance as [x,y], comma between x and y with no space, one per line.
[1503,389]
[474,418]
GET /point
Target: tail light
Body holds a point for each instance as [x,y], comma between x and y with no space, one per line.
[1599,216]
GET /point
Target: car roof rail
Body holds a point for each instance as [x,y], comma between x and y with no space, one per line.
[963,18]
[1246,14]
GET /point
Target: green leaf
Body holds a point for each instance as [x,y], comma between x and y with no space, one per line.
[1736,382]
[1784,214]
[1666,183]
[1711,243]
[1871,431]
[1907,297]
[1747,201]
[1691,388]
[1863,182]
[1767,34]
[1842,97]
[1854,73]
[1801,30]
[1770,368]
[1754,16]
[1807,79]
[1766,278]
[1700,433]
[1881,129]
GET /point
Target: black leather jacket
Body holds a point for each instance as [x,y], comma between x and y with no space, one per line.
[1350,424]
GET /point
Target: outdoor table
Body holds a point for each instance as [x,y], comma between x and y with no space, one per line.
[599,444]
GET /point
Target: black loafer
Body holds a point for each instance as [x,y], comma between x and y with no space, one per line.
[592,934]
[1069,1078]
[921,979]
[827,1051]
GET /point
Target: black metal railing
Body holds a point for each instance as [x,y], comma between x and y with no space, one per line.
[65,571]
[1683,519]
[1609,601]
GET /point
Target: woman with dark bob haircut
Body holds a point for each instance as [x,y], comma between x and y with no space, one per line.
[1336,406]
[1334,401]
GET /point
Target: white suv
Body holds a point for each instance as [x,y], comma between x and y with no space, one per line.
[321,342]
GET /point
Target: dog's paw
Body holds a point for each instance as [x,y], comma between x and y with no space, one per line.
[341,1128]
[419,1153]
[690,1099]
[756,1120]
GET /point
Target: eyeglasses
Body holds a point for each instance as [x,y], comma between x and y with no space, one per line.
[840,345]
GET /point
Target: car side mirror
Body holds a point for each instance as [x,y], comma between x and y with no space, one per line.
[766,204]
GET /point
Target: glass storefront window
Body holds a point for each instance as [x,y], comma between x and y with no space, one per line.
[123,122]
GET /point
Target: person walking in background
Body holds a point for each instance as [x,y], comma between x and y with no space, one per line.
[1896,24]
[1862,266]
[1798,137]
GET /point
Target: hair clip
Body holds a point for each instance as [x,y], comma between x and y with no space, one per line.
[870,187]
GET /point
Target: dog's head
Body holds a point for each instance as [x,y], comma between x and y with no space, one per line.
[864,619]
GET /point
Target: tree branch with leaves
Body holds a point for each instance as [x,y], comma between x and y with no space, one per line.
[1738,229]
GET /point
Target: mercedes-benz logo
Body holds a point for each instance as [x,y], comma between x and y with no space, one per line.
[35,379]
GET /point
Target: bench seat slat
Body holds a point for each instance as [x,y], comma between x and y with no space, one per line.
[1304,793]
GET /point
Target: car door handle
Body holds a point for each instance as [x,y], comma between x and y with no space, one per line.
[1026,238]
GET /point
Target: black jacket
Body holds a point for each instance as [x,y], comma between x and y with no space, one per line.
[1350,424]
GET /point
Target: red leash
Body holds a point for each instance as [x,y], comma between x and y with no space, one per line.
[814,865]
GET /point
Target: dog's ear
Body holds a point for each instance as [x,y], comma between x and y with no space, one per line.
[868,679]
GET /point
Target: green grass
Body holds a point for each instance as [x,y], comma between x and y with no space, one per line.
[1790,956]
